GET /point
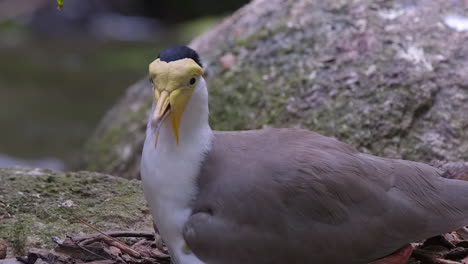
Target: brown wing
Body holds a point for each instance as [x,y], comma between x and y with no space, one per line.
[293,196]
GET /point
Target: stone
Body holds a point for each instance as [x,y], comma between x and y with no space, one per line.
[388,77]
[3,249]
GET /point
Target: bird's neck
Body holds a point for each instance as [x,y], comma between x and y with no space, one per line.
[195,134]
[181,159]
[170,171]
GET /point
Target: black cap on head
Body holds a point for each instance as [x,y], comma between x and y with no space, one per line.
[177,52]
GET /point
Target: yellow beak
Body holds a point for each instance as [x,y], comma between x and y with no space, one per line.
[161,110]
[172,91]
[170,104]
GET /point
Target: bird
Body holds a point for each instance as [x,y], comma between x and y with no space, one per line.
[278,195]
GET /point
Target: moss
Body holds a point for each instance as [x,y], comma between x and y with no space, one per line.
[19,236]
[103,153]
[250,41]
[43,204]
[239,105]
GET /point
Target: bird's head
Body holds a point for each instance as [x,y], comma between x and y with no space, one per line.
[174,75]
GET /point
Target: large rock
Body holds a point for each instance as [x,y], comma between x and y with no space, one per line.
[36,205]
[388,77]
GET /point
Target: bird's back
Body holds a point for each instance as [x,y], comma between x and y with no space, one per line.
[294,196]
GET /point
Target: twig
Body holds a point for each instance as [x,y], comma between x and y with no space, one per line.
[145,234]
[114,242]
[140,243]
[87,250]
[5,215]
[121,246]
[107,261]
[88,241]
[116,253]
[445,261]
[92,227]
[457,253]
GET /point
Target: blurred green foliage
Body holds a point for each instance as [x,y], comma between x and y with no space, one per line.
[59,4]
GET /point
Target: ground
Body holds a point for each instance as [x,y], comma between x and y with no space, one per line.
[36,205]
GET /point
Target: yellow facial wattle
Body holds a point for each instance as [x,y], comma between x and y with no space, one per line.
[173,87]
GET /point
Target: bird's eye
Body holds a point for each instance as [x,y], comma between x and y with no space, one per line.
[192,81]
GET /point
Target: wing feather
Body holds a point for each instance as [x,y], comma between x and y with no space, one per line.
[288,195]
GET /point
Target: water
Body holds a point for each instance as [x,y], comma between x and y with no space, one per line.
[47,163]
[53,92]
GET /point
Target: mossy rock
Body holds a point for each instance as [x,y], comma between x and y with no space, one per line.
[36,205]
[388,77]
